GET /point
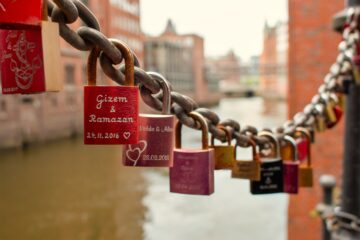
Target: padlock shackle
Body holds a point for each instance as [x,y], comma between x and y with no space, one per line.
[204,130]
[129,61]
[127,55]
[274,140]
[306,133]
[294,147]
[253,145]
[227,135]
[166,91]
[92,66]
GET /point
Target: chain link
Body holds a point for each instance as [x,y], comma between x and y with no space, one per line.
[90,36]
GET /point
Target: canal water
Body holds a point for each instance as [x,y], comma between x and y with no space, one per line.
[64,190]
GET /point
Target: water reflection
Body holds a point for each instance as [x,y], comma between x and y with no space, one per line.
[65,190]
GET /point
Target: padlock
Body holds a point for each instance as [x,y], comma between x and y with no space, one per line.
[337,109]
[291,169]
[320,122]
[305,169]
[224,154]
[111,112]
[271,173]
[193,170]
[286,150]
[247,169]
[302,138]
[156,135]
[30,58]
[21,12]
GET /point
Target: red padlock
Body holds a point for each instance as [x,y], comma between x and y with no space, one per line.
[156,135]
[303,140]
[193,170]
[21,12]
[30,58]
[111,112]
[291,169]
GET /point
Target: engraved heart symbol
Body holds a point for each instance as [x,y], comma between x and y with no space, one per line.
[127,135]
[133,155]
[141,145]
[4,4]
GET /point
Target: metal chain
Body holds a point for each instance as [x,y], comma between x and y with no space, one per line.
[90,36]
[336,219]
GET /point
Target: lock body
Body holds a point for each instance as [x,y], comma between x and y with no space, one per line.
[30,59]
[291,177]
[271,180]
[224,157]
[338,112]
[111,115]
[246,170]
[302,148]
[21,12]
[192,172]
[156,142]
[305,176]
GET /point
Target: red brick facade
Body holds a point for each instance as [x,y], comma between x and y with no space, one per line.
[312,50]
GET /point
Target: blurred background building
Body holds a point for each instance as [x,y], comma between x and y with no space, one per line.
[273,61]
[180,58]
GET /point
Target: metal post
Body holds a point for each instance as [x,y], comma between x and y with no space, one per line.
[350,200]
[328,183]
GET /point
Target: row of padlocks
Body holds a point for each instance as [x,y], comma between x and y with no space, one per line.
[30,56]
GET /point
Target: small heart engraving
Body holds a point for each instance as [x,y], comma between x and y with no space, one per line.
[127,135]
[133,155]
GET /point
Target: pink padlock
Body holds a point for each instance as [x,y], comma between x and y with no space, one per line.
[291,169]
[156,135]
[193,170]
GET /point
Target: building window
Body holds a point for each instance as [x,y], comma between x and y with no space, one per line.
[70,74]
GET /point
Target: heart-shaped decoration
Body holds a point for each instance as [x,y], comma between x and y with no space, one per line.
[126,135]
[133,155]
[142,145]
[266,152]
[5,3]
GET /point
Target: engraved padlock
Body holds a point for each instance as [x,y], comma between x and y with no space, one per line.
[156,135]
[302,139]
[247,169]
[291,169]
[271,173]
[21,12]
[111,112]
[30,58]
[224,154]
[193,169]
[320,121]
[305,170]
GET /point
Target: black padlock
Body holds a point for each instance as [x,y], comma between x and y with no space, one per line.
[272,180]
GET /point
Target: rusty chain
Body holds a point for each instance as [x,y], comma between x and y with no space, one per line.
[89,36]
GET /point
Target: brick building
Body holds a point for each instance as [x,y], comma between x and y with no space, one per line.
[273,61]
[180,58]
[312,50]
[40,117]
